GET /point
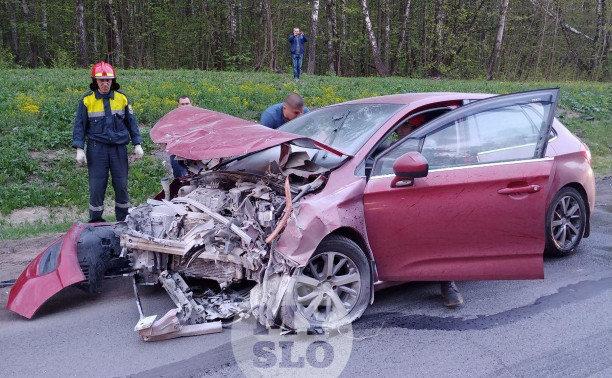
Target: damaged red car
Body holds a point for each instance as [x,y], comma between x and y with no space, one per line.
[297,226]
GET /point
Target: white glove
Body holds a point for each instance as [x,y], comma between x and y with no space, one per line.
[138,152]
[80,158]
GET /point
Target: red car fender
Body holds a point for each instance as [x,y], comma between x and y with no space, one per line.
[32,289]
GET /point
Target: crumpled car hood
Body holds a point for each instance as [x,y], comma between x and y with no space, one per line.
[199,134]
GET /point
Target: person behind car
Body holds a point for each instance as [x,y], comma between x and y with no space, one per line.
[449,290]
[177,169]
[106,118]
[277,114]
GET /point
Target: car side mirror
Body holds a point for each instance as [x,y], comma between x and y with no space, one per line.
[407,167]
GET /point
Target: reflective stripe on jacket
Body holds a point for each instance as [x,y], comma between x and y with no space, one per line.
[115,125]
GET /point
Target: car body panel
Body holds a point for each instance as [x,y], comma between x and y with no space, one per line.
[433,238]
[451,225]
[186,119]
[200,134]
[32,289]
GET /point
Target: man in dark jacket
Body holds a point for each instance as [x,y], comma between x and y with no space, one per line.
[296,41]
[106,118]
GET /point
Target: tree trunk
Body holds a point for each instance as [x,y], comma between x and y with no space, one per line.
[401,39]
[270,35]
[32,59]
[387,34]
[95,30]
[331,34]
[14,34]
[312,38]
[115,32]
[380,67]
[80,24]
[342,42]
[45,33]
[440,19]
[501,25]
[232,27]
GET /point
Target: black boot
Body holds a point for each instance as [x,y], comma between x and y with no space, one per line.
[450,293]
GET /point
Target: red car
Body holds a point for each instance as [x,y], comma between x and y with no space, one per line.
[423,186]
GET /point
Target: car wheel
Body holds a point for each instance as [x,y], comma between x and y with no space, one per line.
[331,290]
[565,222]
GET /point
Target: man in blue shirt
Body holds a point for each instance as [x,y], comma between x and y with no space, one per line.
[276,115]
[296,42]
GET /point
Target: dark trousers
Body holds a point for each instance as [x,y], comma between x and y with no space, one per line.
[177,169]
[102,158]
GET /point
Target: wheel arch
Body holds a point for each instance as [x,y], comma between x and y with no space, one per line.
[354,235]
[580,189]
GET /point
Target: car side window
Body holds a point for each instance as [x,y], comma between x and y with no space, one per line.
[503,134]
[384,164]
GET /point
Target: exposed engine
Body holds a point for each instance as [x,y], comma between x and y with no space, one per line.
[215,229]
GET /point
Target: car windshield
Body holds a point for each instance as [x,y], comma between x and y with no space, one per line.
[345,127]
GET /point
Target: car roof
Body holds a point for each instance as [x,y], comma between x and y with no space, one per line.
[408,98]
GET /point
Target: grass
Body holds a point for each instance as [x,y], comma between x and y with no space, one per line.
[37,109]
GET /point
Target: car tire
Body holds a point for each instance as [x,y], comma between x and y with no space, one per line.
[327,296]
[565,223]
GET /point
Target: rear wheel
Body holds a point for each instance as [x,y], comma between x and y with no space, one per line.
[565,222]
[333,288]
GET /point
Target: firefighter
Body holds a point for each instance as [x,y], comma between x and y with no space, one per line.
[106,118]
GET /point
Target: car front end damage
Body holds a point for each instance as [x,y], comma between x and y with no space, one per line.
[231,238]
[221,227]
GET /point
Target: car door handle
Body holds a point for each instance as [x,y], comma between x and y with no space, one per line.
[520,189]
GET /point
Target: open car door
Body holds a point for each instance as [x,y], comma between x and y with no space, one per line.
[479,212]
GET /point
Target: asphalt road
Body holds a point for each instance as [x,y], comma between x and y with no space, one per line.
[559,326]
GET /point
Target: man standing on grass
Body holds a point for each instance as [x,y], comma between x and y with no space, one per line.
[276,115]
[296,42]
[106,118]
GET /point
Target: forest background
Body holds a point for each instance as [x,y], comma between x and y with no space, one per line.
[503,39]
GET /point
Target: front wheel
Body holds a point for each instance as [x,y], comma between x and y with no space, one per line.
[333,288]
[565,222]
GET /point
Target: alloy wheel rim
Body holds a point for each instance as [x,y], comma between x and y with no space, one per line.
[327,288]
[566,222]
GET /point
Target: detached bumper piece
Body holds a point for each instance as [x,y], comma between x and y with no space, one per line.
[188,319]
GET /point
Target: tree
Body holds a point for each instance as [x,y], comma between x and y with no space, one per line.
[401,39]
[332,34]
[312,38]
[82,35]
[501,25]
[115,33]
[380,67]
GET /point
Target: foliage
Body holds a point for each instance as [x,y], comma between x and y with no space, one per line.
[450,38]
[37,109]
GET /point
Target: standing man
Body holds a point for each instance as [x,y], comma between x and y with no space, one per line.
[296,42]
[106,118]
[276,115]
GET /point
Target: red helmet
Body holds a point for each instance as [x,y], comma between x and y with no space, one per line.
[103,70]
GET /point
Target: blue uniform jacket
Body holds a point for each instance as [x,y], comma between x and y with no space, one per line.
[108,120]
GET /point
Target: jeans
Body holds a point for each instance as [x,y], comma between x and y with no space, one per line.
[177,169]
[297,64]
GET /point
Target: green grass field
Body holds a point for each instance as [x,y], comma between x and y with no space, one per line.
[37,109]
